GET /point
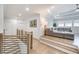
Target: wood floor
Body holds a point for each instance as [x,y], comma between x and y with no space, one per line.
[63,40]
[40,48]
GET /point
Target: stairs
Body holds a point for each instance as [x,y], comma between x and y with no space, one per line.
[59,45]
[10,47]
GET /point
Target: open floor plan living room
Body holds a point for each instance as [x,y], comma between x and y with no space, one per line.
[39,28]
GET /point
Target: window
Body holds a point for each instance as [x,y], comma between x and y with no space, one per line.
[61,25]
[68,24]
[76,24]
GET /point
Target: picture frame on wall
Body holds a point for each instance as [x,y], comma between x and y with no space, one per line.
[33,23]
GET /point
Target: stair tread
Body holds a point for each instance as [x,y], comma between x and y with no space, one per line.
[62,40]
[62,49]
[65,44]
[59,45]
[12,46]
[12,51]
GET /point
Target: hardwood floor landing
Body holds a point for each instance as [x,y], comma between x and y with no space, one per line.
[40,48]
[63,40]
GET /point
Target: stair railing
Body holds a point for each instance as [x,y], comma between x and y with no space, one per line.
[26,37]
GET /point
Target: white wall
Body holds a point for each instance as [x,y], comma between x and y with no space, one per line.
[37,30]
[12,24]
[1,18]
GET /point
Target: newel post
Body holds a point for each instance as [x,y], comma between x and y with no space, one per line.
[1,38]
[31,45]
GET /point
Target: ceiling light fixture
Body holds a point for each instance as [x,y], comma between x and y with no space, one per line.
[49,10]
[27,9]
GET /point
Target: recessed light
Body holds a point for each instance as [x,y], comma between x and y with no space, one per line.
[27,9]
[48,10]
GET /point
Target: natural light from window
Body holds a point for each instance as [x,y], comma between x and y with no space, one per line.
[68,24]
[61,25]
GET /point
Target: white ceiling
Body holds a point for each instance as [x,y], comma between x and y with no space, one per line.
[15,9]
[12,10]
